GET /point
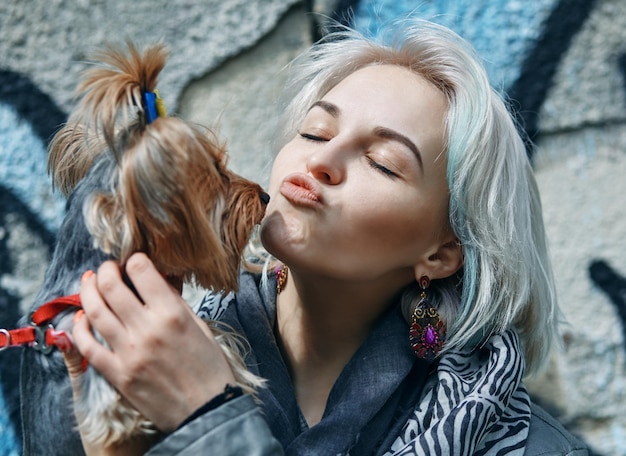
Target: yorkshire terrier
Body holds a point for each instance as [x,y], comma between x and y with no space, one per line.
[138,181]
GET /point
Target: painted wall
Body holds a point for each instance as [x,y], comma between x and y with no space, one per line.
[563,62]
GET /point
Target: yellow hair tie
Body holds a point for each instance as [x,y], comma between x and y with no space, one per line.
[160,105]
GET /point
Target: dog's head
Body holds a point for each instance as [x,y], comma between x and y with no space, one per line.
[171,194]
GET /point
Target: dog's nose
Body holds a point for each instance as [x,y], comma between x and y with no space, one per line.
[265,198]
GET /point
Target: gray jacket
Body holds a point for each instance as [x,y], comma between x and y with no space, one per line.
[366,412]
[238,428]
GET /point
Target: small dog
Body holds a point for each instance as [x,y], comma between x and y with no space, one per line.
[138,181]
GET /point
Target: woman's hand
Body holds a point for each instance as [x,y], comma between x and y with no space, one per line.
[162,357]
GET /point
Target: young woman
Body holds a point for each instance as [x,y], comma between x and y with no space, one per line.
[409,291]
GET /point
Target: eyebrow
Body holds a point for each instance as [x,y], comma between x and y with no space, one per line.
[330,108]
[381,132]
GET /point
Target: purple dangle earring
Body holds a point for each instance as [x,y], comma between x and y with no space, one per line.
[428,332]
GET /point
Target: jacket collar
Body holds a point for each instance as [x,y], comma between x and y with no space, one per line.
[361,392]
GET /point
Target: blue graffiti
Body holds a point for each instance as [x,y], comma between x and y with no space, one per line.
[23,168]
[501,31]
[28,119]
[8,443]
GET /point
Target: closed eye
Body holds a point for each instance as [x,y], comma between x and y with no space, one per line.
[378,167]
[311,137]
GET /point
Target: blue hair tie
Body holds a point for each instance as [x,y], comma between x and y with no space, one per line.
[153,106]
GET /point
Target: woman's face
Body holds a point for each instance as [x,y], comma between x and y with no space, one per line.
[360,192]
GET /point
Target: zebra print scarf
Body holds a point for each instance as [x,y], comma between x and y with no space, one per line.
[475,404]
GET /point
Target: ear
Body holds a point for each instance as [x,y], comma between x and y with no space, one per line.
[445,260]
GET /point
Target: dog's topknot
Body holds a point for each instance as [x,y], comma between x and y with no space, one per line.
[109,101]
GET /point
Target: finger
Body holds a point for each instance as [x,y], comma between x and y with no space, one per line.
[154,290]
[119,298]
[100,315]
[91,350]
[73,359]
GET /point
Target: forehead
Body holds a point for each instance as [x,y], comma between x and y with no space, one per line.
[382,85]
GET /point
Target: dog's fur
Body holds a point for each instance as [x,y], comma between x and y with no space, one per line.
[161,188]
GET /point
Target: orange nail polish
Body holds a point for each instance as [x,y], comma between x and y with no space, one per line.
[86,275]
[78,315]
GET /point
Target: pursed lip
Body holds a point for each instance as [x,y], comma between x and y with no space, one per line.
[302,190]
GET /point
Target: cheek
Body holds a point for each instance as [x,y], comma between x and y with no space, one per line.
[274,181]
[390,224]
[284,164]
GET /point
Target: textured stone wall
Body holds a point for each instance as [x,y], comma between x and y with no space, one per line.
[563,62]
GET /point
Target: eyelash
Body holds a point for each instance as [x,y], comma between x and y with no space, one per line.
[378,167]
[372,163]
[310,137]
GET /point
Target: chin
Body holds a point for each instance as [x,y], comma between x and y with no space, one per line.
[284,237]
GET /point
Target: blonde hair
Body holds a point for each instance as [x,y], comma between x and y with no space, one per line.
[495,209]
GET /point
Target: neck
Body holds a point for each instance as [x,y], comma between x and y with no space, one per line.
[320,324]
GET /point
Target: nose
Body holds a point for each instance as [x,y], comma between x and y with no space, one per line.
[327,164]
[265,198]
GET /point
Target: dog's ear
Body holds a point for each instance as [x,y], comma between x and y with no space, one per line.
[71,153]
[168,203]
[183,168]
[244,210]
